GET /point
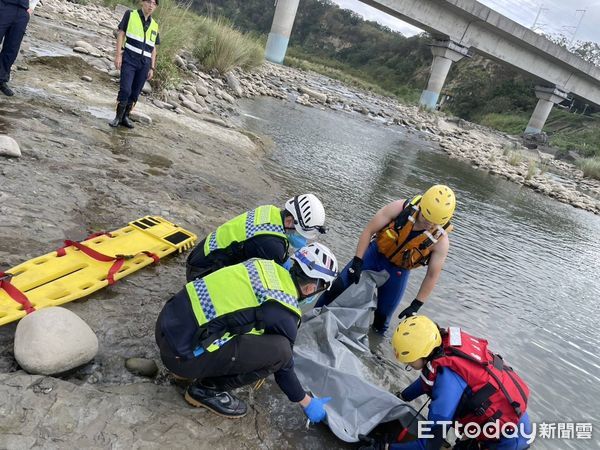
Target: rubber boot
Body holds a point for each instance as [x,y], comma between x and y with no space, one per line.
[121,106]
[379,325]
[126,121]
[229,382]
[220,402]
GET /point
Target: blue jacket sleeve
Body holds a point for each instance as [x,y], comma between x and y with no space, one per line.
[413,391]
[445,397]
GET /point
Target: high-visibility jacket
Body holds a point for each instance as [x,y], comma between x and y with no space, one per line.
[243,286]
[136,39]
[264,220]
[495,392]
[394,243]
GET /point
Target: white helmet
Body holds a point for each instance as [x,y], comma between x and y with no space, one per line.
[308,213]
[318,262]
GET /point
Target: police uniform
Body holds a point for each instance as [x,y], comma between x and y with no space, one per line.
[234,327]
[13,22]
[141,37]
[258,233]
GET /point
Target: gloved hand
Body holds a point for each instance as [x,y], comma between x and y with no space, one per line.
[355,270]
[315,410]
[411,310]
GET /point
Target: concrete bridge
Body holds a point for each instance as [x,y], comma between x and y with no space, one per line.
[461,27]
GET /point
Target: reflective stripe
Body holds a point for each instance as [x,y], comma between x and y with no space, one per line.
[132,48]
[252,229]
[430,236]
[134,37]
[427,382]
[204,298]
[212,241]
[262,294]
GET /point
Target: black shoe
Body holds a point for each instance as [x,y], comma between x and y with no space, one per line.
[121,106]
[126,121]
[379,325]
[6,90]
[220,402]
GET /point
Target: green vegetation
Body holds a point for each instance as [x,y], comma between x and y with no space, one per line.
[590,167]
[508,123]
[214,43]
[532,169]
[222,47]
[515,158]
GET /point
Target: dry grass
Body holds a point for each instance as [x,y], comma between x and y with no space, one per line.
[590,167]
[219,46]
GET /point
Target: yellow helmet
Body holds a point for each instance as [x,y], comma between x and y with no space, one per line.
[437,204]
[415,337]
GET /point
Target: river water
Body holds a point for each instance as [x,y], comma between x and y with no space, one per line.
[523,270]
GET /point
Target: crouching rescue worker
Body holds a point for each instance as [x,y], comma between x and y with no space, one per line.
[265,232]
[135,57]
[238,325]
[468,384]
[403,235]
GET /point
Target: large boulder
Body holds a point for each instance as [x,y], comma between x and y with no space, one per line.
[9,147]
[53,340]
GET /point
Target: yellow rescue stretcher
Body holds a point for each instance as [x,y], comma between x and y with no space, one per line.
[81,268]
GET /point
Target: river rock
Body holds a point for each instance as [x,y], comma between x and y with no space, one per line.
[179,62]
[319,96]
[162,105]
[147,89]
[87,78]
[142,366]
[53,340]
[81,50]
[228,98]
[9,147]
[234,84]
[193,106]
[115,73]
[137,116]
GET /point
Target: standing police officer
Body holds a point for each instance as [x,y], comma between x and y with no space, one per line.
[135,56]
[14,17]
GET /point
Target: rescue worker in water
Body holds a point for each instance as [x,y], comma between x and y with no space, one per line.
[468,384]
[403,235]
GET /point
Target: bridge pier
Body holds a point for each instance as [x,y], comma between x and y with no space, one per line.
[444,54]
[548,97]
[281,29]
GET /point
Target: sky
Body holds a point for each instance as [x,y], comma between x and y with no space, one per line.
[556,17]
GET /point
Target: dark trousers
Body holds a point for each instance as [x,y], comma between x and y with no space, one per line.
[241,361]
[199,265]
[134,73]
[13,22]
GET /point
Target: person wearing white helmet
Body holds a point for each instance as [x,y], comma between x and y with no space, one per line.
[238,325]
[265,232]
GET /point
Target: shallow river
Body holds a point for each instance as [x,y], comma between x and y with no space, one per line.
[523,270]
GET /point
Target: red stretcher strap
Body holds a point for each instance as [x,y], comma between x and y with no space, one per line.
[15,293]
[119,260]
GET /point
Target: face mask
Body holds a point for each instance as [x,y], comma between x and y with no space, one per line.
[296,240]
[309,300]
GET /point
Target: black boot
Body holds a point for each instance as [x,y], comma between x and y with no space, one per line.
[379,324]
[5,89]
[121,106]
[126,121]
[220,402]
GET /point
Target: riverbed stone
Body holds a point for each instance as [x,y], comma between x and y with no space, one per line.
[81,50]
[138,116]
[53,340]
[9,147]
[234,84]
[86,78]
[147,89]
[193,106]
[142,366]
[319,96]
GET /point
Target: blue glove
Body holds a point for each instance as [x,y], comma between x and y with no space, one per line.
[315,410]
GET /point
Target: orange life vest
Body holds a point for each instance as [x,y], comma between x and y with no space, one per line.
[392,240]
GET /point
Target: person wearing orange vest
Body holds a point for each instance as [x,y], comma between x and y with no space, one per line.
[467,384]
[403,235]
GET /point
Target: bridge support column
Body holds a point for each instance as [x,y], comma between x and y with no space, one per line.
[548,97]
[283,21]
[444,54]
